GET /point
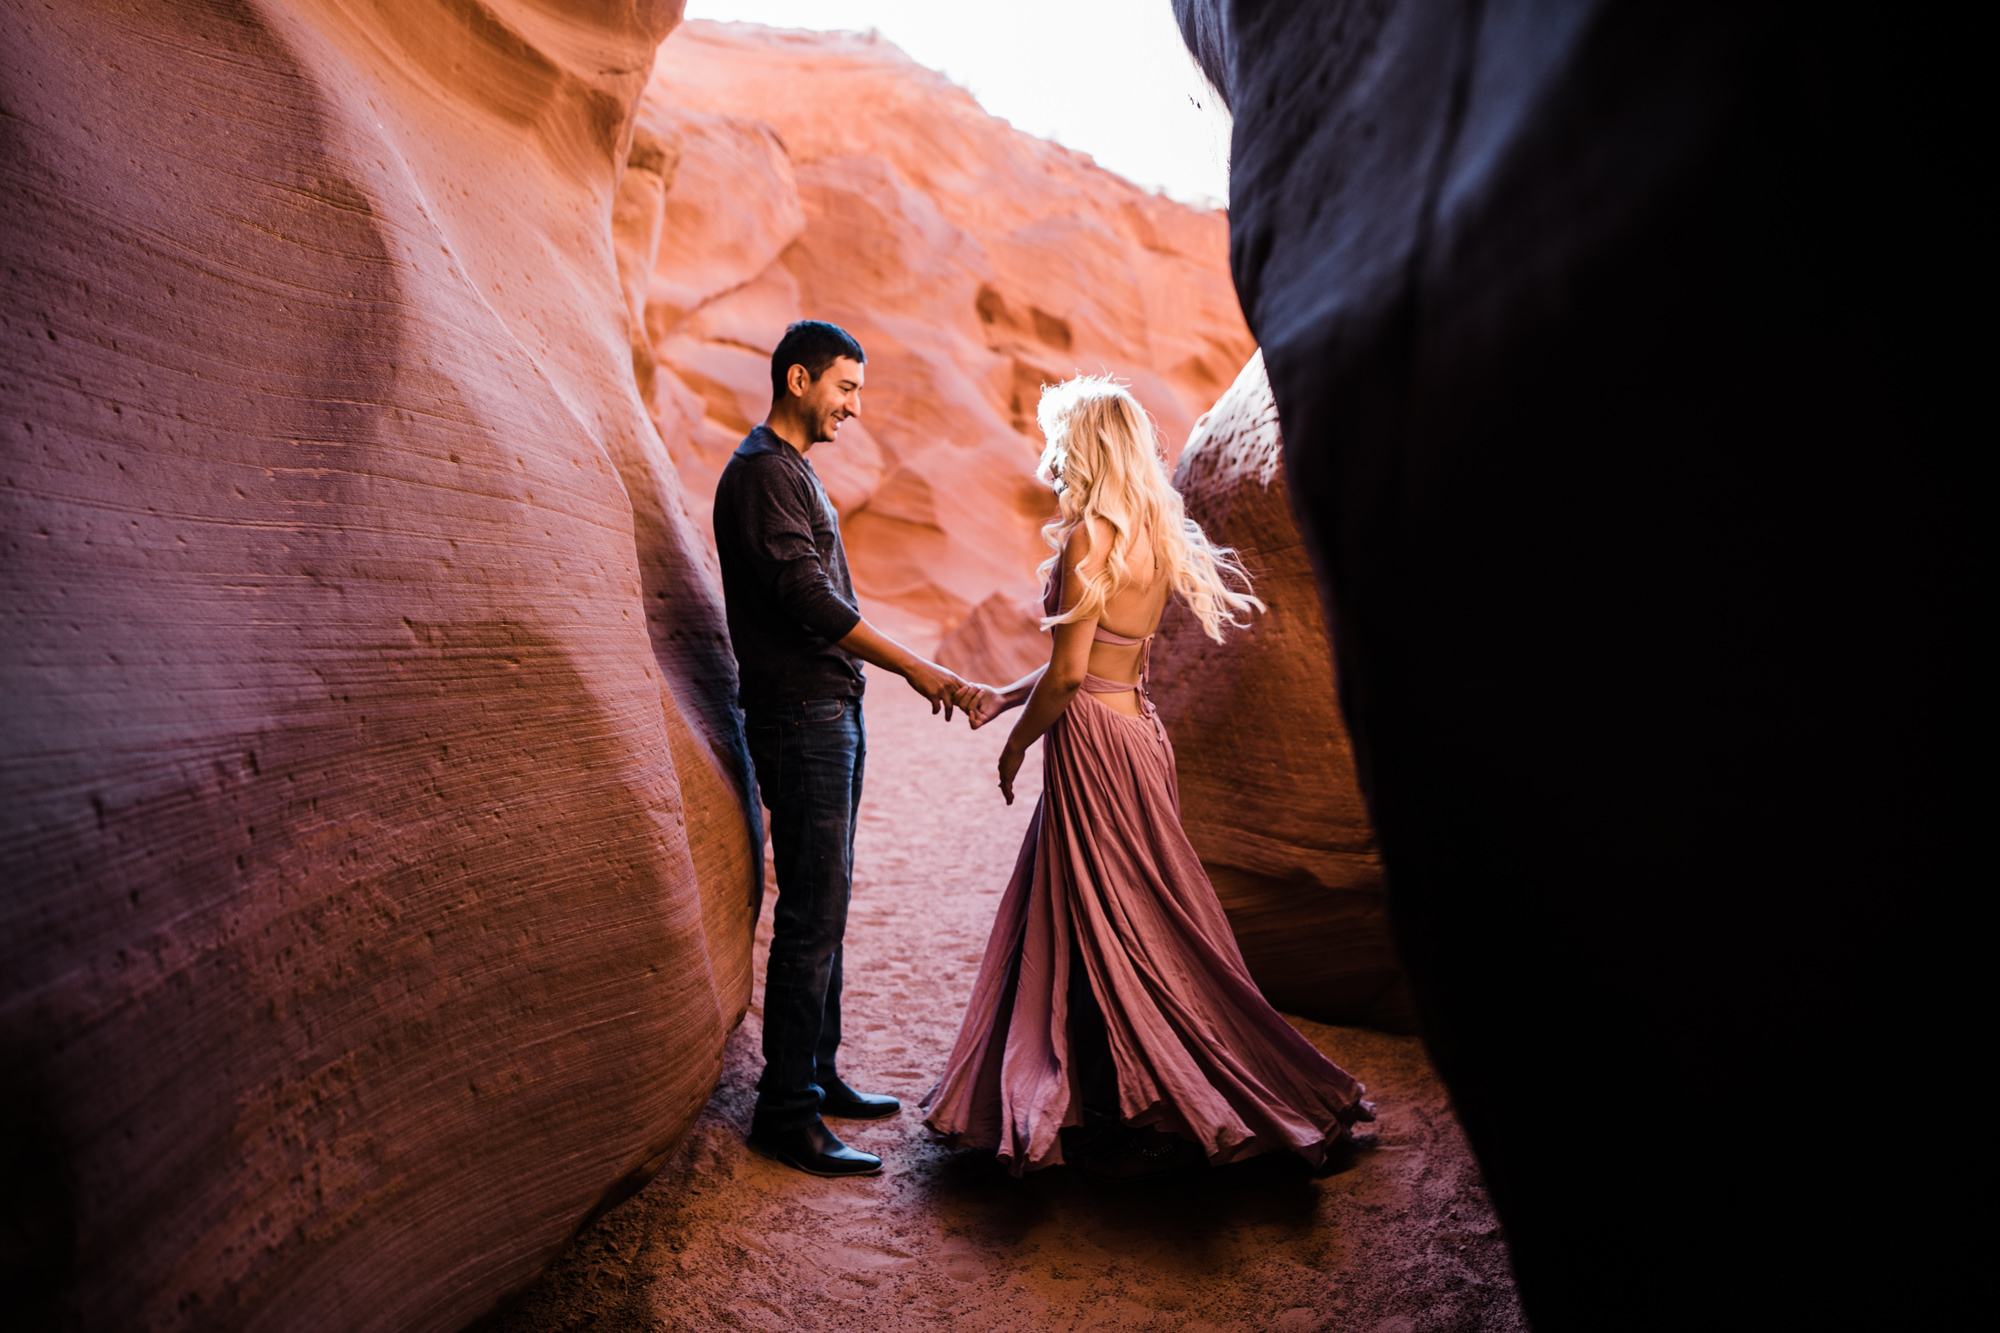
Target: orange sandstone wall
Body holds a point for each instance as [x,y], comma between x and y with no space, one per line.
[1269,794]
[377,873]
[828,175]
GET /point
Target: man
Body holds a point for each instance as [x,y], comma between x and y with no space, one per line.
[800,642]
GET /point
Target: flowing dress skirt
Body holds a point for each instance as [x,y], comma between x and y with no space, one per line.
[1107,875]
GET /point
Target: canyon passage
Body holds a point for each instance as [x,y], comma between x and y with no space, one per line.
[378,841]
[378,844]
[1398,1237]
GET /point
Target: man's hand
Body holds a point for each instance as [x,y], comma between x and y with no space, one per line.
[941,686]
[982,703]
[1010,767]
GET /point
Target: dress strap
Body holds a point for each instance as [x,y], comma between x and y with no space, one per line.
[1094,684]
[1145,647]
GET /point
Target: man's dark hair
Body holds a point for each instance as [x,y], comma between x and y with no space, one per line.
[814,344]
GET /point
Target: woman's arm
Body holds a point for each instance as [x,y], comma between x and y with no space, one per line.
[1049,694]
[1069,662]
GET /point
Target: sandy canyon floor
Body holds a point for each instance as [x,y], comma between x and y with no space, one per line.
[1396,1239]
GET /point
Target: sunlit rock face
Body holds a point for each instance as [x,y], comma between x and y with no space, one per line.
[1268,791]
[1615,417]
[363,686]
[829,176]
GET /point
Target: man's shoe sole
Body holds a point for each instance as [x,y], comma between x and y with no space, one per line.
[861,1113]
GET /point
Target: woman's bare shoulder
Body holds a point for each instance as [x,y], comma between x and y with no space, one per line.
[1087,542]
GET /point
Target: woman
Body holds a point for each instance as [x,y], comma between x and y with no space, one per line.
[1113,1002]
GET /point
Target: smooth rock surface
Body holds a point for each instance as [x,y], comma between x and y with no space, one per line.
[377,891]
[1269,796]
[1617,349]
[974,262]
[1000,642]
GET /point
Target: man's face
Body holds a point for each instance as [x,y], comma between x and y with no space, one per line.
[832,398]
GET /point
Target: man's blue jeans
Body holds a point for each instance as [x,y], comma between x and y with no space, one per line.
[809,759]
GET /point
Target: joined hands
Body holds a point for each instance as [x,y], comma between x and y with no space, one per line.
[941,685]
[947,691]
[982,703]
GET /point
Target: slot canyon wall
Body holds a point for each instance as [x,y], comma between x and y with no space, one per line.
[828,175]
[1616,413]
[378,877]
[1269,794]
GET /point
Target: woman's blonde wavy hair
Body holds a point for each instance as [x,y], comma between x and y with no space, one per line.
[1103,459]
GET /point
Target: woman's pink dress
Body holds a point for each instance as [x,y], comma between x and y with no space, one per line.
[1107,874]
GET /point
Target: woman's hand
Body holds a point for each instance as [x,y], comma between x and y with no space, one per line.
[983,703]
[1010,766]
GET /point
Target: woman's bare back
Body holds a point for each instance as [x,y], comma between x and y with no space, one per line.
[1133,613]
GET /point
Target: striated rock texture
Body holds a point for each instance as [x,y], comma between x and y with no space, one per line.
[829,175]
[377,877]
[1614,412]
[1268,791]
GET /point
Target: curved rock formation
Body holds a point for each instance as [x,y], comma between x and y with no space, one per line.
[1268,791]
[1000,642]
[1615,417]
[974,262]
[377,894]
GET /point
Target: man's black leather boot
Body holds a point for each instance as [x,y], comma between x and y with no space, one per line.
[815,1150]
[844,1103]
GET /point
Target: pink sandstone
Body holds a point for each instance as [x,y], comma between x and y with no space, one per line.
[1269,794]
[379,881]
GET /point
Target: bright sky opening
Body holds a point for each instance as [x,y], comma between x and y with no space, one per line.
[1106,77]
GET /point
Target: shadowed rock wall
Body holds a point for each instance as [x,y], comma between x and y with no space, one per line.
[1268,792]
[1614,411]
[355,944]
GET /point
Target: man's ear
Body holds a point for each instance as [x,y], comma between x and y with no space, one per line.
[798,379]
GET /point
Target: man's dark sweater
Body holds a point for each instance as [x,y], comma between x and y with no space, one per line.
[784,578]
